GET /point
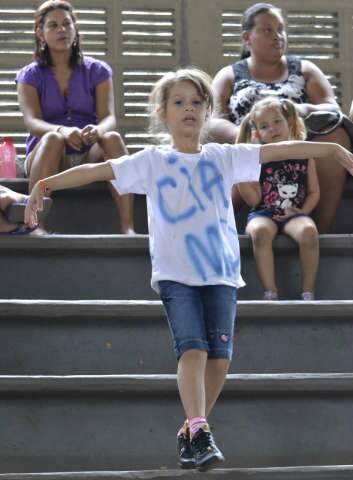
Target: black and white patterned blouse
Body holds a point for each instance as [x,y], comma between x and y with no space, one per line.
[246,90]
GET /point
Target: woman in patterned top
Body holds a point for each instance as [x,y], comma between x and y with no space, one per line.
[266,69]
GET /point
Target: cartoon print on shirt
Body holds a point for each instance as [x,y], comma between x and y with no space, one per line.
[286,194]
[283,185]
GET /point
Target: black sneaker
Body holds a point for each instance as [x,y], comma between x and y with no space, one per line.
[205,450]
[185,455]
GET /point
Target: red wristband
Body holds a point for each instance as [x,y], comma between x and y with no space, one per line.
[45,189]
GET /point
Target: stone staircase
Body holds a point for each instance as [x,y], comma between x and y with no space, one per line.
[287,473]
[87,204]
[89,267]
[94,337]
[87,373]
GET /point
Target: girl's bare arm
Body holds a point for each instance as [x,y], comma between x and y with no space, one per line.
[250,192]
[74,177]
[292,150]
[81,175]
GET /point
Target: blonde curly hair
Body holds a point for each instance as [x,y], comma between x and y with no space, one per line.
[285,106]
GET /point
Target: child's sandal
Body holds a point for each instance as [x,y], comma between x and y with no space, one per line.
[21,229]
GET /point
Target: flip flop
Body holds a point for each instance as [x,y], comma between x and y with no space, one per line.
[21,229]
[16,211]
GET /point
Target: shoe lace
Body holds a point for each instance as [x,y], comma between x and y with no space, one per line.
[182,439]
[204,441]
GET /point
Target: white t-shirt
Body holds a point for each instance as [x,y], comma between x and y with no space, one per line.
[193,237]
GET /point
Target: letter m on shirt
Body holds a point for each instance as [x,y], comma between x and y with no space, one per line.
[213,254]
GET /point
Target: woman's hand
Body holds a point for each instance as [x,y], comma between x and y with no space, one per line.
[90,134]
[72,136]
[34,204]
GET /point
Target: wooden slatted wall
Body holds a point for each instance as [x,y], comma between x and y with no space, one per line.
[142,39]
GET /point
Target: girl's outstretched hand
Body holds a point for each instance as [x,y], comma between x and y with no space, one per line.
[34,204]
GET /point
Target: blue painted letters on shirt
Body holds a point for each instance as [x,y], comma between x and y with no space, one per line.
[215,253]
[168,216]
[204,186]
[210,178]
[185,172]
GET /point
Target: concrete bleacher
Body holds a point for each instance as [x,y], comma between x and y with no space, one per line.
[124,422]
[87,372]
[93,210]
[93,337]
[118,267]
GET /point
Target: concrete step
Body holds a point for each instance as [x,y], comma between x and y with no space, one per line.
[90,210]
[132,337]
[118,267]
[95,423]
[86,210]
[339,472]
[341,224]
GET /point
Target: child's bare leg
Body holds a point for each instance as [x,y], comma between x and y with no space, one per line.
[45,158]
[5,226]
[216,371]
[200,449]
[8,196]
[262,231]
[191,382]
[303,230]
[113,146]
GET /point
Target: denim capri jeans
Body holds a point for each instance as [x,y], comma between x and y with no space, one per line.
[200,317]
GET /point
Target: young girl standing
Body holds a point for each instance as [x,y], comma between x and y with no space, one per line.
[193,239]
[289,192]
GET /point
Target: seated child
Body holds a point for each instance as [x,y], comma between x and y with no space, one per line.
[287,193]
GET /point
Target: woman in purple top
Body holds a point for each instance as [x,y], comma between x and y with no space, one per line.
[67,102]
